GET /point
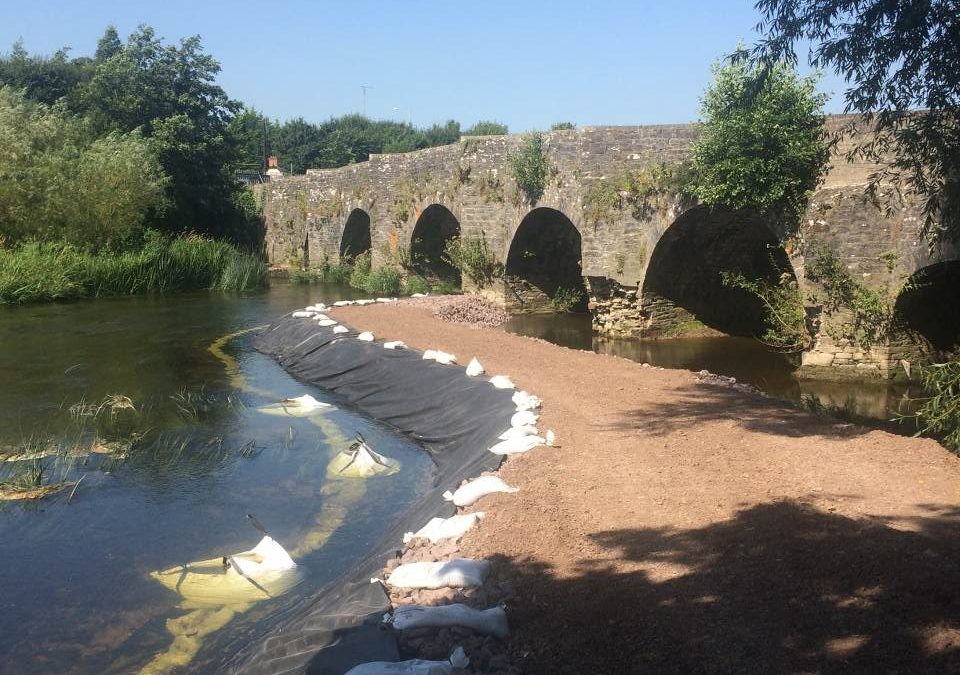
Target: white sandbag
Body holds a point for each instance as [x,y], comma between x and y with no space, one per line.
[303,314]
[458,659]
[524,418]
[365,336]
[515,446]
[320,317]
[475,368]
[326,322]
[341,329]
[524,400]
[453,573]
[439,529]
[365,302]
[439,356]
[518,432]
[551,438]
[319,307]
[361,461]
[395,344]
[471,491]
[343,303]
[491,621]
[301,406]
[419,295]
[502,382]
[386,299]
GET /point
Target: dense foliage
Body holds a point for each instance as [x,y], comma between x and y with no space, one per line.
[763,145]
[938,414]
[302,145]
[474,258]
[42,272]
[897,58]
[486,128]
[60,182]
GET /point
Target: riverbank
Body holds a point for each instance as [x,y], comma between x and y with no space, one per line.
[47,272]
[684,526]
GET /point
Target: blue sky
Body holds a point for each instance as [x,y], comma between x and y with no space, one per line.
[527,64]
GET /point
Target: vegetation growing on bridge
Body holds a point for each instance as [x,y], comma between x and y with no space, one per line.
[529,168]
[763,145]
[643,191]
[474,258]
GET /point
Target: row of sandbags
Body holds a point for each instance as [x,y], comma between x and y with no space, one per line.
[460,573]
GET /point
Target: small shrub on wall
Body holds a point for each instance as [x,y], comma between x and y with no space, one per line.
[530,168]
[473,257]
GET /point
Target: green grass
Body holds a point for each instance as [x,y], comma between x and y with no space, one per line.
[45,272]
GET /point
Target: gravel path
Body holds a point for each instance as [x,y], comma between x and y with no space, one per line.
[684,526]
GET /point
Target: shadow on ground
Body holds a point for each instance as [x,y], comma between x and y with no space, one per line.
[692,405]
[780,588]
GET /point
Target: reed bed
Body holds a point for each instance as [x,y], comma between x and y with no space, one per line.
[45,272]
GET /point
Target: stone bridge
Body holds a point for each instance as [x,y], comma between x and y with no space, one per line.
[646,261]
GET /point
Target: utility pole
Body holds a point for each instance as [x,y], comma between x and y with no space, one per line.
[363,88]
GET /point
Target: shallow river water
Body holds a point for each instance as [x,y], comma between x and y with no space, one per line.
[76,595]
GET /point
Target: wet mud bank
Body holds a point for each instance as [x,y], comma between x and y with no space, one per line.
[456,418]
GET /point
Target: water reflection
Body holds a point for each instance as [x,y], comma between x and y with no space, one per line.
[742,358]
[75,587]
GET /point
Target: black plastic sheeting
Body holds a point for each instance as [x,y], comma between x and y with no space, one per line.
[454,417]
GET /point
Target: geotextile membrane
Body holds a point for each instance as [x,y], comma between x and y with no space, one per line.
[455,418]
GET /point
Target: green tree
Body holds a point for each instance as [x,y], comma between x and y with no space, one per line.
[44,79]
[562,126]
[58,182]
[169,92]
[762,144]
[108,45]
[486,128]
[897,58]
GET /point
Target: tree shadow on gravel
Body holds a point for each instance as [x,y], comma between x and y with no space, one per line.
[695,405]
[780,588]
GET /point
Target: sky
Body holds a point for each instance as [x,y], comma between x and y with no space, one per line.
[525,63]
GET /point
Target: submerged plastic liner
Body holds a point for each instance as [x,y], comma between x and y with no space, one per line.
[454,417]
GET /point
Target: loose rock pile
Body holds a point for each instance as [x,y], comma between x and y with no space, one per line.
[470,310]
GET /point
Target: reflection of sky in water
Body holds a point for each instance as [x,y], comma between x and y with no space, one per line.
[745,359]
[76,596]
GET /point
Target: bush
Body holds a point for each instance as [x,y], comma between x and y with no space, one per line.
[384,281]
[784,314]
[529,167]
[59,183]
[565,299]
[939,412]
[43,272]
[473,257]
[416,284]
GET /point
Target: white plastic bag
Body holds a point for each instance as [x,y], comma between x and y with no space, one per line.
[439,529]
[526,401]
[395,344]
[502,382]
[458,659]
[491,621]
[524,418]
[301,406]
[515,446]
[365,336]
[470,492]
[518,432]
[475,368]
[341,329]
[303,314]
[453,573]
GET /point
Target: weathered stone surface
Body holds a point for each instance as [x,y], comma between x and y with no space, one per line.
[306,217]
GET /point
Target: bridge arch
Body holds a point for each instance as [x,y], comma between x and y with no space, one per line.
[544,263]
[356,236]
[926,305]
[435,228]
[683,283]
